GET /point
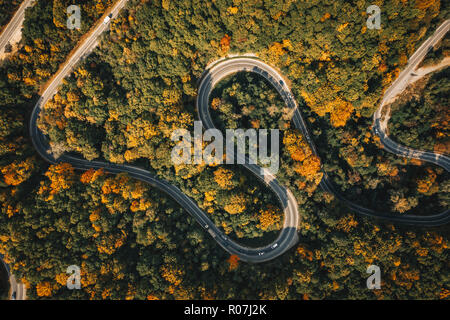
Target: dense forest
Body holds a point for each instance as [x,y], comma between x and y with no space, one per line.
[122,103]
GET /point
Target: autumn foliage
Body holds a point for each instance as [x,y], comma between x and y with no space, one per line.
[270,218]
[233,262]
[306,163]
[44,289]
[61,177]
[18,171]
[223,178]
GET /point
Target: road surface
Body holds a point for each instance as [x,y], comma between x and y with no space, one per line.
[14,27]
[398,86]
[17,290]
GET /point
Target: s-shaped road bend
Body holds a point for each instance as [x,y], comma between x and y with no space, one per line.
[288,236]
[227,67]
[405,77]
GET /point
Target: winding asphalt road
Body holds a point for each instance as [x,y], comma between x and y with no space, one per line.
[225,68]
[18,290]
[400,84]
[380,124]
[14,25]
[288,236]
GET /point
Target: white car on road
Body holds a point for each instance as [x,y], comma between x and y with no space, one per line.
[107,19]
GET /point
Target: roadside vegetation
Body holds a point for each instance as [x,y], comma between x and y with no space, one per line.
[122,103]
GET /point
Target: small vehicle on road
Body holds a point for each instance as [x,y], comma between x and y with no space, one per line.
[274,245]
[260,253]
[107,19]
